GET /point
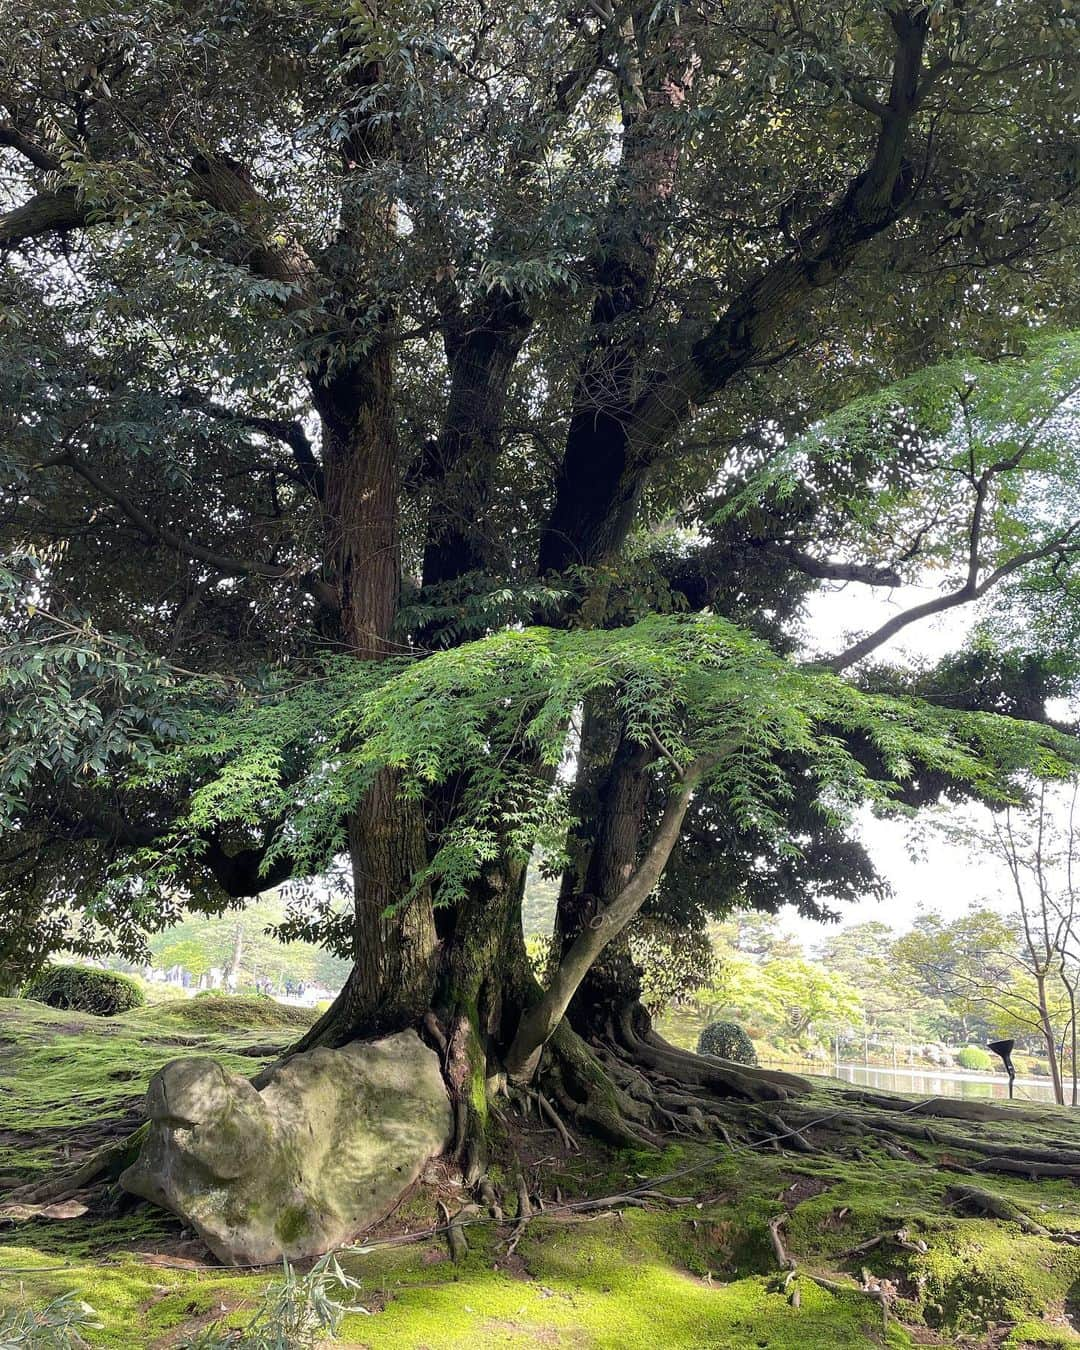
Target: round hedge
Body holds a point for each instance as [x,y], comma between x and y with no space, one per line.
[974,1057]
[727,1040]
[101,992]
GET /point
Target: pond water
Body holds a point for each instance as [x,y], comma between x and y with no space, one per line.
[934,1083]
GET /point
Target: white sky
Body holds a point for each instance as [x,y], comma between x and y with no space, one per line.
[944,876]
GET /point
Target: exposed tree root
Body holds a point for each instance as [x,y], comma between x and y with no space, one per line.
[581,1086]
[633,1033]
[783,1259]
[948,1108]
[1025,1167]
[901,1239]
[973,1200]
[870,1288]
[104,1164]
[455,1236]
[632,1089]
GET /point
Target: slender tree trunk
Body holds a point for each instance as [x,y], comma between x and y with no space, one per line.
[1049,1037]
[611,795]
[540,1021]
[232,970]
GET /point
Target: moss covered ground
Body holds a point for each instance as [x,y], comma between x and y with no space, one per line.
[699,1273]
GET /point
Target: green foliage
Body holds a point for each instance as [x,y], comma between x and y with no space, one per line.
[295,1313]
[166,423]
[495,715]
[895,1007]
[57,1326]
[101,992]
[73,704]
[974,1057]
[777,993]
[976,963]
[996,436]
[200,942]
[727,1040]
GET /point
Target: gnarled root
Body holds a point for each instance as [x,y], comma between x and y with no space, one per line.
[632,1032]
[104,1164]
[581,1087]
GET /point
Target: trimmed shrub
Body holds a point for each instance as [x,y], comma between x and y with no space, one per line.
[972,1057]
[214,1011]
[727,1040]
[101,992]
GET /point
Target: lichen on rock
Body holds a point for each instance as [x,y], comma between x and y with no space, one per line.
[323,1151]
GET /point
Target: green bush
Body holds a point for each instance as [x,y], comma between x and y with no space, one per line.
[102,992]
[727,1040]
[972,1057]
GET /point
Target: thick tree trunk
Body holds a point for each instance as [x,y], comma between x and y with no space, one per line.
[394,939]
[481,348]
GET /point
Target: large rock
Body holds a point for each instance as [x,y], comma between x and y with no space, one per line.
[323,1151]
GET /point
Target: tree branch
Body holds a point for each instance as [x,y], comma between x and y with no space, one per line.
[37,155]
[825,570]
[873,201]
[290,433]
[1063,545]
[540,1021]
[46,213]
[228,566]
[224,184]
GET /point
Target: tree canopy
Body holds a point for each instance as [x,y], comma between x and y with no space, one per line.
[423,430]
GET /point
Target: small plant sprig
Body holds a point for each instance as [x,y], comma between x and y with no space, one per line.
[295,1313]
[56,1326]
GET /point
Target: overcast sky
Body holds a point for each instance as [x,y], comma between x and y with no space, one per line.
[945,877]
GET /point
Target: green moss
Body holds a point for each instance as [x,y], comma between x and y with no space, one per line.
[135,1302]
[1028,1335]
[68,1074]
[981,1271]
[224,1013]
[702,1274]
[293,1222]
[101,992]
[610,1285]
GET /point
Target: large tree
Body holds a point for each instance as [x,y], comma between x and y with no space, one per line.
[409,411]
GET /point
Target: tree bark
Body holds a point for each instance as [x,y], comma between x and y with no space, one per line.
[540,1021]
[610,798]
[394,938]
[481,349]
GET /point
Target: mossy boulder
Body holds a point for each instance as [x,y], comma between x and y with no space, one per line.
[102,992]
[323,1151]
[727,1040]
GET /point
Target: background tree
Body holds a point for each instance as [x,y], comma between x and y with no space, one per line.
[894,1008]
[787,999]
[983,965]
[1037,849]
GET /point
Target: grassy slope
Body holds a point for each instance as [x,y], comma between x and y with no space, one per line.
[66,1075]
[701,1275]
